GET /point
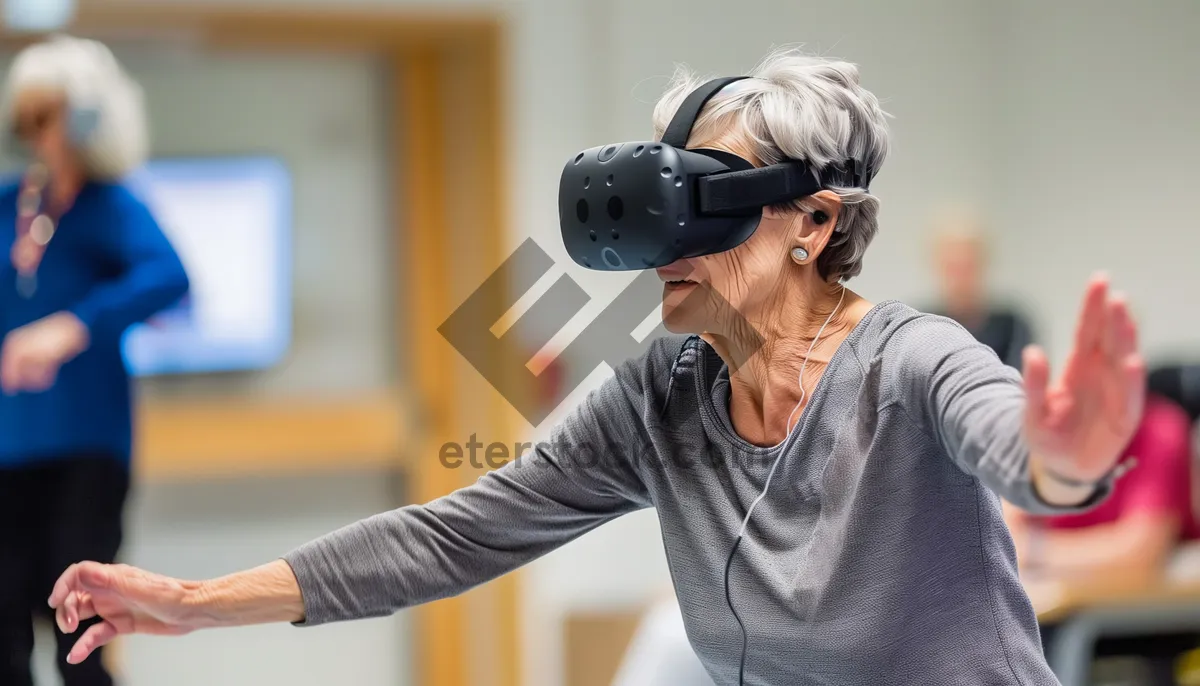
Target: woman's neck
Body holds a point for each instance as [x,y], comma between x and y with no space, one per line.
[765,362]
[65,184]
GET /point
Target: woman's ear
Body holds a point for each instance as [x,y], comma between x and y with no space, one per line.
[816,226]
[826,206]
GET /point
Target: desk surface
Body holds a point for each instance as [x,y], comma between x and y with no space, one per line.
[1054,601]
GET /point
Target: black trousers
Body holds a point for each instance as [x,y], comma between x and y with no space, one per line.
[53,514]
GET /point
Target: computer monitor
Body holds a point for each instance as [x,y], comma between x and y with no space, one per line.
[230,221]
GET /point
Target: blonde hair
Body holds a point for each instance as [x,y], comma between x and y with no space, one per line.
[800,107]
[89,76]
[959,224]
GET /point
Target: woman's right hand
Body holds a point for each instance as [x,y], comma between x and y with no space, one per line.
[128,600]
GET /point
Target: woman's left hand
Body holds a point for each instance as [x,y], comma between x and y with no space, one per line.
[1079,427]
[32,354]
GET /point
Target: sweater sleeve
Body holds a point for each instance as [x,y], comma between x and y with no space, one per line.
[975,404]
[583,476]
[148,273]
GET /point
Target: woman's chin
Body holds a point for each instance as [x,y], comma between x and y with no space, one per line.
[679,319]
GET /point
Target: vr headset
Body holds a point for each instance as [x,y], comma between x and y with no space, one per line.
[646,204]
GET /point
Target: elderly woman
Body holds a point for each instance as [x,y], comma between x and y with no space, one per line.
[863,438]
[86,261]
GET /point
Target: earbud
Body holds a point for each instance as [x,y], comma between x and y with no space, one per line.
[820,217]
[799,255]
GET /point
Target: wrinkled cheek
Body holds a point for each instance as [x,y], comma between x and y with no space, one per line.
[737,295]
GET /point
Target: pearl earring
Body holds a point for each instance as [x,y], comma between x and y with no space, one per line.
[799,255]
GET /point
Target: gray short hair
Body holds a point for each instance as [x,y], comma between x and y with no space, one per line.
[801,107]
[88,74]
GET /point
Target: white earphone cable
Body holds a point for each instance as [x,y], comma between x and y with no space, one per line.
[803,395]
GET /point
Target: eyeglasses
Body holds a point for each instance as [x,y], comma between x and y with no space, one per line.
[33,124]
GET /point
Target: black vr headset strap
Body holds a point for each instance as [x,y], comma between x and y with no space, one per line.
[747,192]
[680,128]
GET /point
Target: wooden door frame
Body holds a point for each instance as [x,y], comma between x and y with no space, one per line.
[416,46]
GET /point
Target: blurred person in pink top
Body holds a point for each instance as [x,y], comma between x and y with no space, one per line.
[1134,532]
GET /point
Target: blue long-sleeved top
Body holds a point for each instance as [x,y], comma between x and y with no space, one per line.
[111,266]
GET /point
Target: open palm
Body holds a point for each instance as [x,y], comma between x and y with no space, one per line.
[1080,425]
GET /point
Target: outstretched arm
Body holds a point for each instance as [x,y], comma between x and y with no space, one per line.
[582,478]
[507,518]
[1042,447]
[132,601]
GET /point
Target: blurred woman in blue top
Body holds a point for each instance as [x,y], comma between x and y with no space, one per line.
[86,260]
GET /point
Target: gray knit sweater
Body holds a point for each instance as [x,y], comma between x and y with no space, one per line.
[878,557]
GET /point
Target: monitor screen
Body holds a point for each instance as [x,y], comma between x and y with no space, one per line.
[230,222]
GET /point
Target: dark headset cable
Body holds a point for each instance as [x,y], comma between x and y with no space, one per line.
[729,601]
[783,448]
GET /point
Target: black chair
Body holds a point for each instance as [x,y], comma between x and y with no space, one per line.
[1179,383]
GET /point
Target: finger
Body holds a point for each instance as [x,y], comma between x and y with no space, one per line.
[24,370]
[1124,328]
[96,636]
[39,376]
[1089,331]
[86,608]
[1036,377]
[23,378]
[1108,335]
[74,610]
[64,586]
[67,616]
[93,576]
[1116,315]
[1134,382]
[120,579]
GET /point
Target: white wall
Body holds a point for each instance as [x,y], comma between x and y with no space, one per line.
[1097,140]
